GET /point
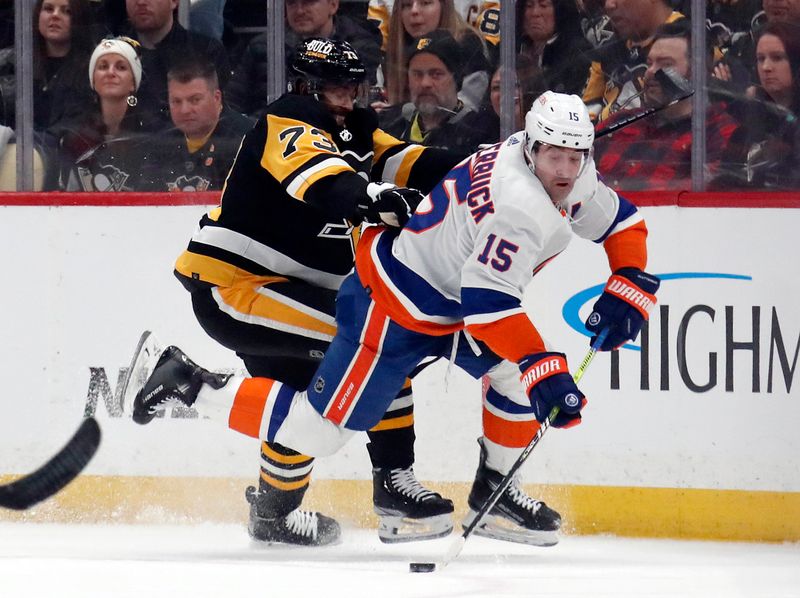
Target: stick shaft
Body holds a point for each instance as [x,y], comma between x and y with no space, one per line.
[640,115]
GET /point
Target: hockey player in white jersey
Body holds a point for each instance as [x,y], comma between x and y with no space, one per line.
[450,284]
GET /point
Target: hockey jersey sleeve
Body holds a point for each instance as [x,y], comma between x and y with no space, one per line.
[494,278]
[410,165]
[302,157]
[298,154]
[600,214]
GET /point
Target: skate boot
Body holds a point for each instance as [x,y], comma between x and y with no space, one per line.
[516,517]
[408,511]
[303,528]
[160,377]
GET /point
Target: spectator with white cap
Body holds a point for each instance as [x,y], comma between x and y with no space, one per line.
[98,150]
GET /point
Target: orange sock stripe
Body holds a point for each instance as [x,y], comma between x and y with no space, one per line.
[248,406]
[514,434]
[281,485]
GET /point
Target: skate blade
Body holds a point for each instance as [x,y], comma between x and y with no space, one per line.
[143,362]
[395,529]
[500,528]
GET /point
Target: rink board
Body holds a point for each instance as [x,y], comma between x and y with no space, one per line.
[691,434]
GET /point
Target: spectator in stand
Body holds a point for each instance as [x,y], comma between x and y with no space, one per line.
[656,152]
[549,34]
[62,44]
[247,91]
[617,70]
[100,151]
[488,121]
[764,151]
[206,17]
[412,20]
[737,71]
[435,116]
[726,21]
[198,153]
[164,42]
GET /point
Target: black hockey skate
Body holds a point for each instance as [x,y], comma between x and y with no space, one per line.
[303,528]
[408,511]
[516,517]
[160,377]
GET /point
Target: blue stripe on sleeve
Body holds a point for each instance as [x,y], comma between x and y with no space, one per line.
[486,301]
[626,210]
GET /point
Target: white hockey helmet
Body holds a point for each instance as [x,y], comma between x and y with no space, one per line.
[559,119]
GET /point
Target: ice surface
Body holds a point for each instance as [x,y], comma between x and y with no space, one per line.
[219,561]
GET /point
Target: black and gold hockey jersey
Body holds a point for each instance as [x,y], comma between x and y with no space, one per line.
[288,205]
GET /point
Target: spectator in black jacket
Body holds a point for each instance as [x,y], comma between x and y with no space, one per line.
[164,42]
[62,44]
[435,116]
[549,35]
[247,91]
[198,153]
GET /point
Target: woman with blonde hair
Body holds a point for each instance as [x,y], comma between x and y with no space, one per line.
[412,20]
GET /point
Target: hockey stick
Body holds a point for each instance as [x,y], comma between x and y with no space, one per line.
[59,471]
[458,543]
[671,82]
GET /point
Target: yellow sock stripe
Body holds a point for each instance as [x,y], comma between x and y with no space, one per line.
[394,423]
[268,452]
[281,485]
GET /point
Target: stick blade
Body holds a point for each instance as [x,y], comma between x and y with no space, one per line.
[59,471]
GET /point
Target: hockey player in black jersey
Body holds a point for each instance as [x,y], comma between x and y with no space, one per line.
[264,267]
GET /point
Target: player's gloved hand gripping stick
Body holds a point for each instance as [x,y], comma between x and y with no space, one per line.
[458,543]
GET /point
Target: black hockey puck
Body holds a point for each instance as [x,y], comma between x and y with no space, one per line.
[421,567]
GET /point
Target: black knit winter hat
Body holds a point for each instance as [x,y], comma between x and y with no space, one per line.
[443,45]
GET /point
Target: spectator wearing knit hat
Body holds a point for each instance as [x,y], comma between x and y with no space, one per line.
[435,116]
[98,151]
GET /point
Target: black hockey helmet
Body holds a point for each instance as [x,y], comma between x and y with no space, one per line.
[319,60]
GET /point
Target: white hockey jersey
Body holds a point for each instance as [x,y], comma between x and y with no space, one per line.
[475,242]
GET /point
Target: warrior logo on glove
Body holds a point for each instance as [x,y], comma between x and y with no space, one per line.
[623,307]
[548,384]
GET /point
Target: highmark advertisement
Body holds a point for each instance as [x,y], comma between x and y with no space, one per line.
[707,397]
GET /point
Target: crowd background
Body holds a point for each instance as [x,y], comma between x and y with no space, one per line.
[155,95]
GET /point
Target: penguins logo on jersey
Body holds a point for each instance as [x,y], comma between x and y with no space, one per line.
[186,183]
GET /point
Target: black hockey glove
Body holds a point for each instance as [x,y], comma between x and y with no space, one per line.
[388,204]
[623,307]
[549,384]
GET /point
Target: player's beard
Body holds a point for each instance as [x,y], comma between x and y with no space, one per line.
[338,113]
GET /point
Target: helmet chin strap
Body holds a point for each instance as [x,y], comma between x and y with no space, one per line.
[530,159]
